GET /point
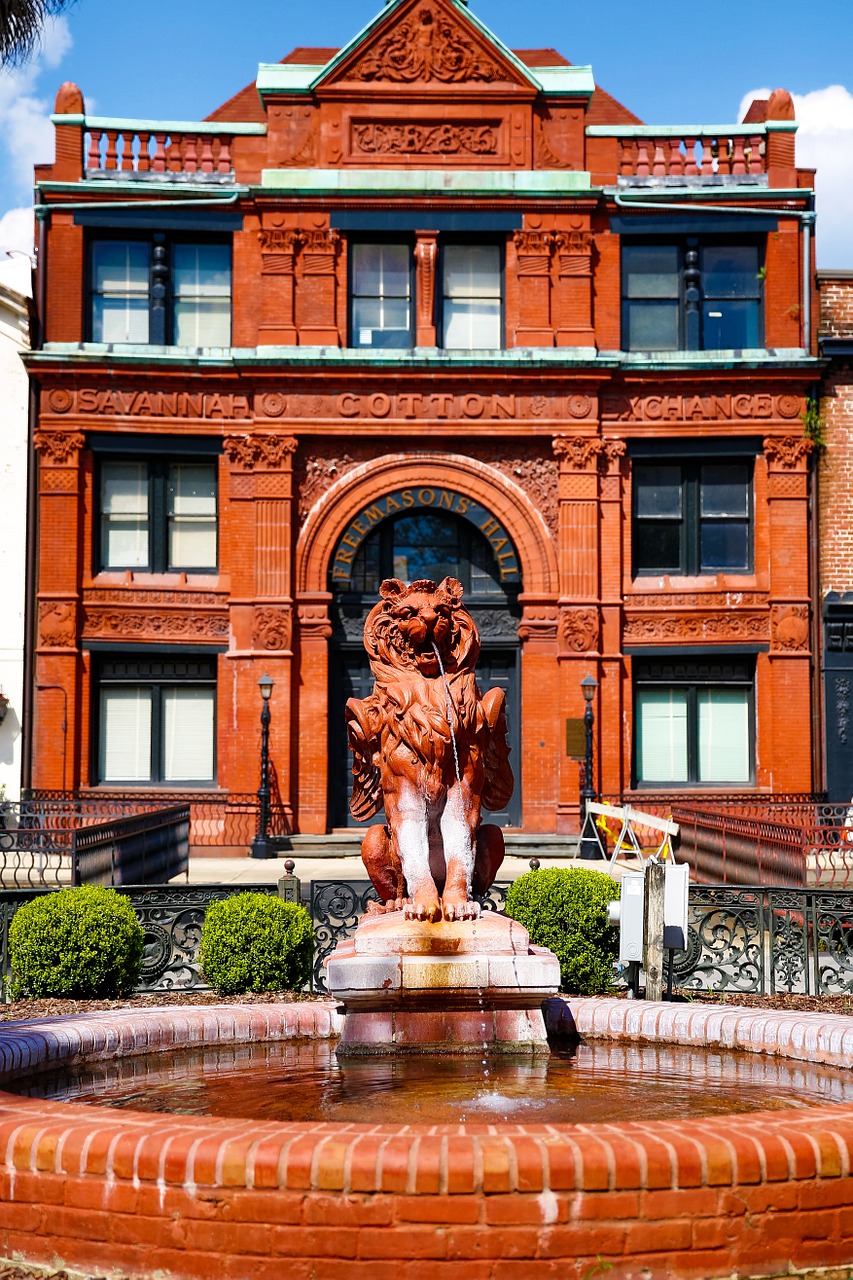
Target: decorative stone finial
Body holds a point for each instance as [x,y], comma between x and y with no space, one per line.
[780,105]
[69,100]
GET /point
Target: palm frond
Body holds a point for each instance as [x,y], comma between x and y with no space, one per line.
[21,23]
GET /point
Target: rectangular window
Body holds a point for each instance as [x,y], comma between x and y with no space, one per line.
[691,296]
[158,515]
[381,290]
[692,517]
[157,721]
[693,723]
[471,307]
[188,306]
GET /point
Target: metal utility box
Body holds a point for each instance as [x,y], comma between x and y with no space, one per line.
[628,914]
[676,885]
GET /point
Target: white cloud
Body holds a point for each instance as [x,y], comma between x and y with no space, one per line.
[17,230]
[825,143]
[26,134]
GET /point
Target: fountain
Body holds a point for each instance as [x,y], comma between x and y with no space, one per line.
[426,971]
[240,1194]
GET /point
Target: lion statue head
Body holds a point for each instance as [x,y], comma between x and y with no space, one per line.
[414,626]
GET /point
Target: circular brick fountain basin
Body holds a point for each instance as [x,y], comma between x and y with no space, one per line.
[95,1188]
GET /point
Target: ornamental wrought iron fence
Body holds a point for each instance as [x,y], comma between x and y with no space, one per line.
[742,940]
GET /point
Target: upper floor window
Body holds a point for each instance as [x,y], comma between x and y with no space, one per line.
[691,296]
[158,515]
[692,517]
[156,290]
[468,303]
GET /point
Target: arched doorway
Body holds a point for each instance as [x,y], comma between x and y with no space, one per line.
[421,542]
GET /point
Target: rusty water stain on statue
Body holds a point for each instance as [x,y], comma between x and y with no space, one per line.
[430,748]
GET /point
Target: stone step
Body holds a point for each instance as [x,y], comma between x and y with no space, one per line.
[343,844]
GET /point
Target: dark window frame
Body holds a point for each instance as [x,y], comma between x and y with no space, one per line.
[158,512]
[161,295]
[362,238]
[152,671]
[690,277]
[690,563]
[693,676]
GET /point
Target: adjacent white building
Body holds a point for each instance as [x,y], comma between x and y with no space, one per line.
[15,290]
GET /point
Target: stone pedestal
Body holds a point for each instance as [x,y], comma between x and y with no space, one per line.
[462,987]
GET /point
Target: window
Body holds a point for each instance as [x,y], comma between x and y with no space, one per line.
[161,291]
[693,723]
[158,515]
[471,310]
[469,304]
[691,296]
[381,287]
[427,545]
[156,721]
[692,517]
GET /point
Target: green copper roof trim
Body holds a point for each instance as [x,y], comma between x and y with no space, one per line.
[140,356]
[673,130]
[287,77]
[122,125]
[663,194]
[434,182]
[147,188]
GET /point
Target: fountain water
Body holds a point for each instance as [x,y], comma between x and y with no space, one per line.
[427,972]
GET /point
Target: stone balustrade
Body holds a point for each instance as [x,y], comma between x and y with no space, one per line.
[726,151]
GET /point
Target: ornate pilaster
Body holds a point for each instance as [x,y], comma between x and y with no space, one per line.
[317,288]
[574,287]
[315,630]
[533,256]
[279,248]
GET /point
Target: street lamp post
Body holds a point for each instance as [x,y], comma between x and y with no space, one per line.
[590,848]
[260,844]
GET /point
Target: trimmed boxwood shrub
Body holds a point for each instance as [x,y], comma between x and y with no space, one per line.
[256,942]
[84,943]
[565,909]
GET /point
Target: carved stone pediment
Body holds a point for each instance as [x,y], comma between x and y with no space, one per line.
[426,43]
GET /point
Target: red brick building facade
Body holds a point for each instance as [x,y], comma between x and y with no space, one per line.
[423,305]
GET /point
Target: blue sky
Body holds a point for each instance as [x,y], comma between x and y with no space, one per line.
[670,63]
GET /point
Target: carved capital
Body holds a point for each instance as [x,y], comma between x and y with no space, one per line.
[278,248]
[57,624]
[578,453]
[319,250]
[579,629]
[534,252]
[241,451]
[787,453]
[314,621]
[245,452]
[272,629]
[426,256]
[59,447]
[574,252]
[539,622]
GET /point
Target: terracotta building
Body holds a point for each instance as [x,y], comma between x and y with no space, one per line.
[835,478]
[417,306]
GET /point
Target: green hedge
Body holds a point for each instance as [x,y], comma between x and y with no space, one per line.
[565,909]
[256,942]
[84,943]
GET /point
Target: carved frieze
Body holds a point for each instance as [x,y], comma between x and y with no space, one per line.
[134,596]
[579,629]
[787,453]
[426,138]
[789,627]
[315,474]
[649,629]
[159,624]
[426,46]
[57,627]
[248,451]
[700,600]
[272,629]
[59,448]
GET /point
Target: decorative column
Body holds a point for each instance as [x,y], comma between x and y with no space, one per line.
[261,608]
[580,619]
[426,258]
[541,736]
[278,316]
[533,255]
[315,630]
[789,662]
[57,701]
[574,286]
[317,289]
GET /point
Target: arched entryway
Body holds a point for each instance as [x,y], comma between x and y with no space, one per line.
[521,557]
[427,538]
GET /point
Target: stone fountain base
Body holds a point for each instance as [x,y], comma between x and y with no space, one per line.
[461,987]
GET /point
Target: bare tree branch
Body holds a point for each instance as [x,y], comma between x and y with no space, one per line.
[21,23]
